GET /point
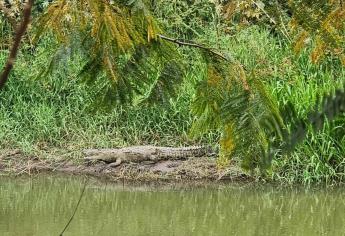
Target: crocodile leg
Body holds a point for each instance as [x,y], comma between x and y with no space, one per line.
[116,163]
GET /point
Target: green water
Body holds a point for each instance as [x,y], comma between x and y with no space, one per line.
[42,206]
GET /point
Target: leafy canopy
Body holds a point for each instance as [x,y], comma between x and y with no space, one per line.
[119,40]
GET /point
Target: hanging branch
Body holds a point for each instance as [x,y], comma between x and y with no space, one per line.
[210,50]
[192,44]
[75,209]
[15,47]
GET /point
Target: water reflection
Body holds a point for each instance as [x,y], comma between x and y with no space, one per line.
[41,206]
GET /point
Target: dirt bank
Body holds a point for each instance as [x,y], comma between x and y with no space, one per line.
[14,162]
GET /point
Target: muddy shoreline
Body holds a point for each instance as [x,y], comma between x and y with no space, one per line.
[16,163]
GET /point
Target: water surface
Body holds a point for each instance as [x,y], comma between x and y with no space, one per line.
[43,205]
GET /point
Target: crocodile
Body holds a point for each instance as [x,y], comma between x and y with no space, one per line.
[145,153]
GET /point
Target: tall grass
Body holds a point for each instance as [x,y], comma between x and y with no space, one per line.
[320,158]
[57,112]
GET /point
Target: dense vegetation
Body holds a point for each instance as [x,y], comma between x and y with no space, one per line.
[77,84]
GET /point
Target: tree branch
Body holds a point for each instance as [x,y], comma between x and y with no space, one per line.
[76,208]
[15,47]
[211,50]
[192,44]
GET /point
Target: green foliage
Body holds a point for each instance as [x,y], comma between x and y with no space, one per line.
[327,108]
[319,23]
[313,147]
[273,15]
[254,12]
[118,39]
[185,19]
[323,22]
[235,105]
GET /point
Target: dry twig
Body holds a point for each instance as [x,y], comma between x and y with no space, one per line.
[192,44]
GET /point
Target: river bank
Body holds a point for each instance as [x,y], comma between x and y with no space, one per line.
[15,162]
